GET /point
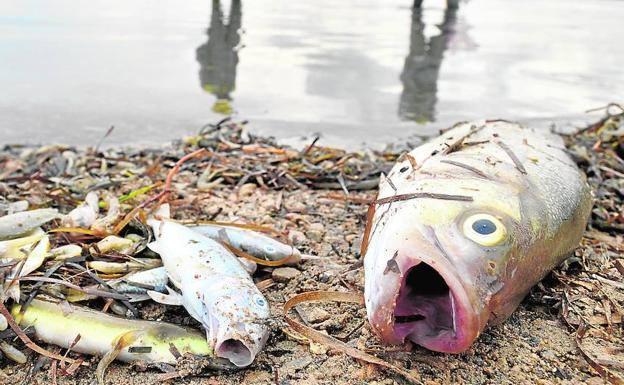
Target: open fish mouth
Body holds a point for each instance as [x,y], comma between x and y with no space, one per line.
[432,309]
[235,351]
[240,342]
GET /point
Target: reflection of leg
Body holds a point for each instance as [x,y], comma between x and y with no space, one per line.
[452,4]
[417,3]
[415,102]
[422,67]
[235,16]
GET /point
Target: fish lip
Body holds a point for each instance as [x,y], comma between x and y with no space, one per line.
[223,335]
[241,340]
[467,322]
[242,359]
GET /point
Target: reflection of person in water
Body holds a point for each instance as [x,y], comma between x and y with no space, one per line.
[422,66]
[218,58]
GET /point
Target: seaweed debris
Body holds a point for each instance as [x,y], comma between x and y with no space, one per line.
[569,330]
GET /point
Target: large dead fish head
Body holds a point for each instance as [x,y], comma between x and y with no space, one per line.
[236,319]
[436,267]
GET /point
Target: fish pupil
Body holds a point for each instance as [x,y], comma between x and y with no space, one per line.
[484,226]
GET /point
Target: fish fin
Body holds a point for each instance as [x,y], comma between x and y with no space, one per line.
[175,282]
[121,343]
[173,298]
[138,297]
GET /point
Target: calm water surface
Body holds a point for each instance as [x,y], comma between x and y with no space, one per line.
[354,71]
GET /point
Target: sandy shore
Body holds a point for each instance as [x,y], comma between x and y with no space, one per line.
[565,332]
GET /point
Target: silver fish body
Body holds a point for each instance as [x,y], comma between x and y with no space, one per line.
[14,225]
[216,290]
[464,226]
[254,243]
[138,283]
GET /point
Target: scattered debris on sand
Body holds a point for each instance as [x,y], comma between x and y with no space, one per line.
[567,331]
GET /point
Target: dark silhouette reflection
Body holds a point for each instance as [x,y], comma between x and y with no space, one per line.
[422,66]
[218,58]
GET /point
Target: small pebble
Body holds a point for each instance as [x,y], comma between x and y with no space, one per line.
[297,364]
[296,207]
[247,189]
[326,276]
[285,274]
[317,349]
[595,381]
[314,235]
[257,376]
[548,355]
[296,237]
[316,315]
[317,227]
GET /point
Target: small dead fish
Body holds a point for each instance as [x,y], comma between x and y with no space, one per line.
[216,291]
[17,207]
[464,226]
[18,224]
[124,267]
[140,282]
[85,214]
[114,243]
[17,248]
[252,242]
[33,261]
[97,333]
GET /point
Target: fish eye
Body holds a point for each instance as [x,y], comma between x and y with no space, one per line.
[485,229]
[260,301]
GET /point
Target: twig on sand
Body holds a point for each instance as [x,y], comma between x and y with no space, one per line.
[99,293]
[318,337]
[162,196]
[405,197]
[174,170]
[106,134]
